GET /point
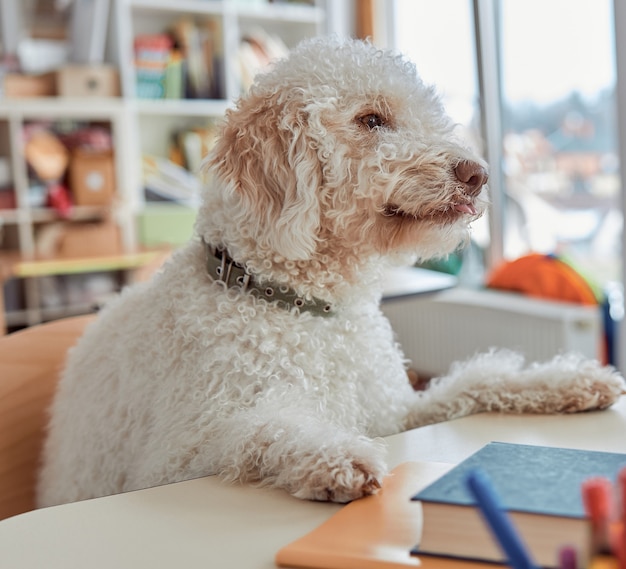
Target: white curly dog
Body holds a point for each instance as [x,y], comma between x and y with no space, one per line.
[259,353]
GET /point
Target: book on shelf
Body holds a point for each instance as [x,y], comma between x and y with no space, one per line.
[257,50]
[166,181]
[153,53]
[200,43]
[540,488]
[181,63]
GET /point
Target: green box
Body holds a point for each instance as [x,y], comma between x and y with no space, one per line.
[165,224]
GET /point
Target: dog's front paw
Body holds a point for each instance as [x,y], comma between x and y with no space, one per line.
[603,387]
[342,478]
[341,484]
[583,385]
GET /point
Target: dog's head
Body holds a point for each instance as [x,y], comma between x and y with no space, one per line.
[341,147]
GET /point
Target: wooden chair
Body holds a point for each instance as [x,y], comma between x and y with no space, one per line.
[30,363]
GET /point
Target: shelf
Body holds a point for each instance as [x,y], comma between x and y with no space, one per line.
[206,7]
[11,216]
[67,311]
[43,215]
[64,107]
[138,127]
[77,213]
[21,317]
[40,268]
[284,13]
[143,264]
[13,265]
[281,12]
[182,107]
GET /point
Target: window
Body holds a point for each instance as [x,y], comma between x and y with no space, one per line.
[559,142]
[443,50]
[548,72]
[557,110]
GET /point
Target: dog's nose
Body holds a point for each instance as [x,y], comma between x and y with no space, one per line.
[472,175]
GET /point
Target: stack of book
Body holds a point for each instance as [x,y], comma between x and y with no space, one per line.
[183,63]
[152,57]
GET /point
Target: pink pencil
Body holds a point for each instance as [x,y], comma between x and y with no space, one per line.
[568,557]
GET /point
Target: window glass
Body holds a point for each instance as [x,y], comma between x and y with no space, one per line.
[559,144]
[443,50]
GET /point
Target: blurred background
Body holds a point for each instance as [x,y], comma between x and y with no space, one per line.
[108,107]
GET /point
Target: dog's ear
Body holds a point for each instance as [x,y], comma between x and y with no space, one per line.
[266,158]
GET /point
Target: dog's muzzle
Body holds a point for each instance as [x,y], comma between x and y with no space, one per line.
[222,268]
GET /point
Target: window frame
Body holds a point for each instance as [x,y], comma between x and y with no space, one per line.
[619,21]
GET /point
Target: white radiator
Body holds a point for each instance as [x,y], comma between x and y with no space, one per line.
[437,329]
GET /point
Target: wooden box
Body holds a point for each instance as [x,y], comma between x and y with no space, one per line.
[25,85]
[88,81]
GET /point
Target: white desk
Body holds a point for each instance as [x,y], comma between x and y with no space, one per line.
[207,524]
[399,282]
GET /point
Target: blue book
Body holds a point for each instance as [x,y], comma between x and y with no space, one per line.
[540,488]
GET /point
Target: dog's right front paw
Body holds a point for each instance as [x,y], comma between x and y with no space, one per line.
[343,481]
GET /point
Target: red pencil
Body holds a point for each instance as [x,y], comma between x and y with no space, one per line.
[620,539]
[597,494]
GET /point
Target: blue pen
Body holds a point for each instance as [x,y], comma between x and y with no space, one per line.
[489,503]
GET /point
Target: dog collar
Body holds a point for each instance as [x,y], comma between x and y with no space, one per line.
[222,268]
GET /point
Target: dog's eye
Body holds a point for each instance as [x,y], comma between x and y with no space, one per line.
[372,121]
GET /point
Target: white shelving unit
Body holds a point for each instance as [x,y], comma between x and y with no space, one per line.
[17,112]
[138,126]
[292,22]
[20,226]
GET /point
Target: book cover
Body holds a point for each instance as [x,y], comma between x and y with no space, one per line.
[539,486]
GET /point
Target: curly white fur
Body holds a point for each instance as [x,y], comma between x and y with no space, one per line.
[338,162]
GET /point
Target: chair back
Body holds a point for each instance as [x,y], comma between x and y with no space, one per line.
[30,364]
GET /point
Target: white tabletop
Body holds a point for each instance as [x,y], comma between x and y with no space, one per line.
[207,524]
[409,281]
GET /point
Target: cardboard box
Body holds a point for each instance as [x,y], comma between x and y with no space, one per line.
[25,85]
[88,81]
[89,239]
[92,177]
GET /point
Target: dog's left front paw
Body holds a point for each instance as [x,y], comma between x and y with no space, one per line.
[341,484]
[343,478]
[595,387]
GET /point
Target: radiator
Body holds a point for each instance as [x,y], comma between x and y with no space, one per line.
[437,329]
